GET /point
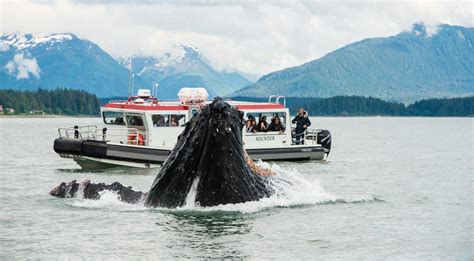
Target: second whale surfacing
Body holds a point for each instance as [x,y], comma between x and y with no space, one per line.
[207,167]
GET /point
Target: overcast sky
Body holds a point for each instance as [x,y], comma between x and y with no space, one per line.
[252,36]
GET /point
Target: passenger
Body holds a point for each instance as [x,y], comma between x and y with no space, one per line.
[302,123]
[253,126]
[248,126]
[161,121]
[276,125]
[138,121]
[248,123]
[261,127]
[119,121]
[173,122]
[264,120]
[134,121]
[158,120]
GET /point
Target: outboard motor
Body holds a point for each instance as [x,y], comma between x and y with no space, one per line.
[324,138]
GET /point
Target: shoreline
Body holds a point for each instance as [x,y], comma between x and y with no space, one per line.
[52,116]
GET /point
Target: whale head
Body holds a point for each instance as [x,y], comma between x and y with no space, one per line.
[207,166]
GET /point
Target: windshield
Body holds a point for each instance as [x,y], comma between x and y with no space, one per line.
[113,118]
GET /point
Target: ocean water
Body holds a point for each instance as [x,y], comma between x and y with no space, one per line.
[392,188]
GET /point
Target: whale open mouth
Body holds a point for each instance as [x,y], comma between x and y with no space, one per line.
[208,166]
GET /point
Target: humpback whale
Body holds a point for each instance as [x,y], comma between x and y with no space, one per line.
[92,191]
[207,167]
[208,160]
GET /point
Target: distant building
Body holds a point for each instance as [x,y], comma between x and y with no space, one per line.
[10,110]
[1,109]
[38,112]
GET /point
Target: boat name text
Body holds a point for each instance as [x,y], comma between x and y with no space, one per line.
[265,138]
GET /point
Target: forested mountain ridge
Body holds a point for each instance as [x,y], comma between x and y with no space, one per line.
[369,106]
[74,102]
[406,67]
[59,102]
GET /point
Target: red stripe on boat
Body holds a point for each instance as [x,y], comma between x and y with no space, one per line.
[259,106]
[147,107]
[159,107]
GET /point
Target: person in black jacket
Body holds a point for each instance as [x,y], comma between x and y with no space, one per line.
[302,123]
[276,125]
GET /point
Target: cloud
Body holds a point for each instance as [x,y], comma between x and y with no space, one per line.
[254,37]
[21,67]
[425,30]
[3,46]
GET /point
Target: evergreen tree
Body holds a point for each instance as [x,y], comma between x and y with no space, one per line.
[59,101]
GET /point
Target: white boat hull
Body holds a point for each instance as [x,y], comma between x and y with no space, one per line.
[93,154]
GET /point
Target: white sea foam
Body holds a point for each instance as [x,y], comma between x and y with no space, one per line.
[108,200]
[290,189]
[80,191]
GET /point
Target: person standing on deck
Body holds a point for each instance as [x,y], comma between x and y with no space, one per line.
[302,123]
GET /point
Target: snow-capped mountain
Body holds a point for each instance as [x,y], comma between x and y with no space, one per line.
[27,41]
[178,59]
[30,61]
[181,66]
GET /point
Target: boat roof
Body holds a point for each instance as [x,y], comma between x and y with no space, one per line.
[155,105]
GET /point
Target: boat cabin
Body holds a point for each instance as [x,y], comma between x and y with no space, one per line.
[141,131]
[143,120]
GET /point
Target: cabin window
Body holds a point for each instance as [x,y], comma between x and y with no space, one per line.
[158,120]
[265,122]
[168,120]
[134,120]
[112,117]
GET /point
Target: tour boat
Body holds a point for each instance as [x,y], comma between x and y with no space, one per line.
[142,131]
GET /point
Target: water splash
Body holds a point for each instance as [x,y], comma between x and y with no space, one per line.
[290,189]
[108,200]
[80,191]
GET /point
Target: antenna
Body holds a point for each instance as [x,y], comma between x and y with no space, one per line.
[133,78]
[130,84]
[155,89]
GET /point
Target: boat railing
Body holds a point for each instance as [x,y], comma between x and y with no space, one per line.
[121,135]
[118,101]
[78,132]
[276,99]
[310,135]
[271,97]
[132,102]
[92,132]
